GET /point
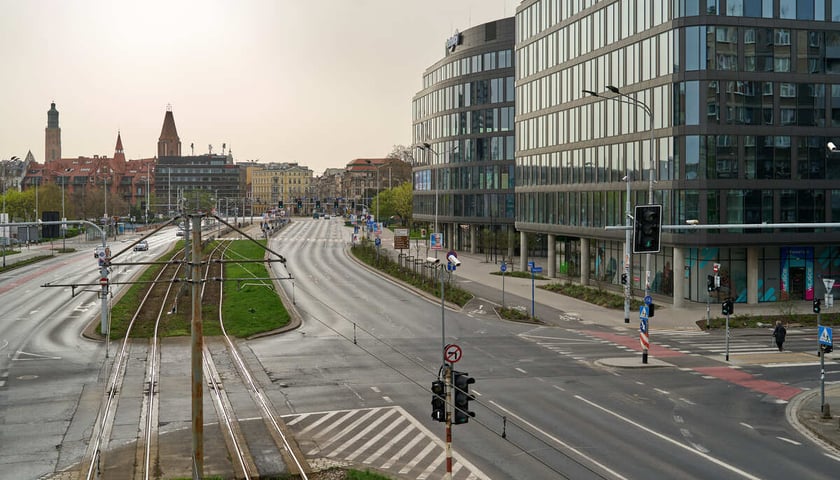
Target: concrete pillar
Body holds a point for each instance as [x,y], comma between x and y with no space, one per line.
[552,256]
[584,261]
[678,274]
[473,228]
[752,275]
[511,238]
[523,251]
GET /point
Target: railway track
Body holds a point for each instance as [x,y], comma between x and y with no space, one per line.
[144,425]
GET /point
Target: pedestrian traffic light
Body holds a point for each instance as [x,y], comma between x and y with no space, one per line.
[647,228]
[727,307]
[300,203]
[318,203]
[816,305]
[280,204]
[710,283]
[335,204]
[462,382]
[624,279]
[438,401]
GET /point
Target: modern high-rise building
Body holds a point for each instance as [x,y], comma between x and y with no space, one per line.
[463,128]
[723,109]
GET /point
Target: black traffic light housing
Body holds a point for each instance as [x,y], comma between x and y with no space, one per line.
[647,229]
[624,279]
[816,305]
[438,401]
[280,204]
[727,307]
[826,348]
[710,283]
[462,413]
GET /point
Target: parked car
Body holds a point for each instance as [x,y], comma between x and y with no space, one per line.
[179,233]
[141,246]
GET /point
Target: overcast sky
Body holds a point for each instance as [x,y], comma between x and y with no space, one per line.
[318,82]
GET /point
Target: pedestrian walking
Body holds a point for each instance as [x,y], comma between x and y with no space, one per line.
[779,334]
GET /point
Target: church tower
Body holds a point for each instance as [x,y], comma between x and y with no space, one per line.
[52,144]
[119,154]
[169,145]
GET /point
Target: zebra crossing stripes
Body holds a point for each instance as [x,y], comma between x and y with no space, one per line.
[385,438]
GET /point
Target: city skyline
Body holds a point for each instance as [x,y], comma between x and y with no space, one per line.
[318,83]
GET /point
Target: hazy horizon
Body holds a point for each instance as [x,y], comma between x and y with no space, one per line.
[318,83]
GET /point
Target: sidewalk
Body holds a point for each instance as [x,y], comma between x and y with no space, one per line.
[803,411]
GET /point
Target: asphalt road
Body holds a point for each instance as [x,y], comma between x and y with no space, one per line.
[353,382]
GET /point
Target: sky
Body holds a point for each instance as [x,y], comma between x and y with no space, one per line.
[316,82]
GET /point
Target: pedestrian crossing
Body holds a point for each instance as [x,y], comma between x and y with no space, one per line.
[387,439]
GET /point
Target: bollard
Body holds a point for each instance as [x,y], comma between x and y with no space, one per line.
[826,411]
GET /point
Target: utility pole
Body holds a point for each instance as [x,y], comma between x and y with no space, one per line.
[197,343]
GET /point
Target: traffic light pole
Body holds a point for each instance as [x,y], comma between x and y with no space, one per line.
[449,412]
[727,336]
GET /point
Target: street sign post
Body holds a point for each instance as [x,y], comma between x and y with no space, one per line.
[644,339]
[825,345]
[503,268]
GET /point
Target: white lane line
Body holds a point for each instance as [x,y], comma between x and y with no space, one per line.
[706,456]
[521,371]
[792,442]
[663,392]
[747,425]
[560,442]
[833,457]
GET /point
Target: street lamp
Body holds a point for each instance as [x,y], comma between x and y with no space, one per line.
[628,230]
[640,104]
[427,146]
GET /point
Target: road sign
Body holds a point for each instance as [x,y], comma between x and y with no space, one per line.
[377,241]
[643,312]
[452,353]
[644,340]
[829,284]
[530,264]
[503,267]
[825,336]
[103,281]
[716,267]
[536,269]
[648,300]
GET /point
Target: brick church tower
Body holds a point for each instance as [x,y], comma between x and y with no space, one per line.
[169,145]
[52,144]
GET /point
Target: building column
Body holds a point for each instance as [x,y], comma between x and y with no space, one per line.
[752,275]
[523,252]
[511,237]
[584,261]
[678,275]
[473,228]
[552,253]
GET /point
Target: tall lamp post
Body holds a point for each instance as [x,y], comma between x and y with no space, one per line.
[640,104]
[628,232]
[428,147]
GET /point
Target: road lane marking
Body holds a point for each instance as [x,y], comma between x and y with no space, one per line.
[792,442]
[704,455]
[521,371]
[560,442]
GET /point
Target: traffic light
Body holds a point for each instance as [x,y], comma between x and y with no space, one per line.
[280,204]
[335,204]
[318,203]
[827,348]
[462,382]
[624,279]
[300,203]
[816,305]
[647,228]
[727,307]
[710,283]
[438,401]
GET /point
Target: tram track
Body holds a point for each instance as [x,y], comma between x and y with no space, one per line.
[257,447]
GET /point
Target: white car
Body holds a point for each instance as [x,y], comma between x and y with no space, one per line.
[141,246]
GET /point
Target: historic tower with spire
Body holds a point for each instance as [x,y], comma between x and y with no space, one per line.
[119,154]
[169,145]
[52,144]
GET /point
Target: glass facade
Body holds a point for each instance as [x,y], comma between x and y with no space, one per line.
[463,125]
[721,121]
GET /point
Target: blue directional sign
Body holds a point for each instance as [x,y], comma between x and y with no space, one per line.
[503,267]
[378,241]
[643,325]
[648,300]
[644,312]
[825,336]
[536,269]
[530,264]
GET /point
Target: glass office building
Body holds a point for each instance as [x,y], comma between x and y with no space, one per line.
[463,126]
[722,108]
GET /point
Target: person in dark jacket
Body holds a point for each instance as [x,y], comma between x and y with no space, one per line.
[779,334]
